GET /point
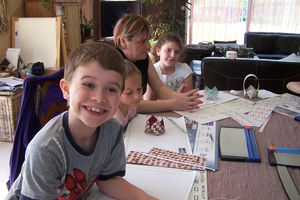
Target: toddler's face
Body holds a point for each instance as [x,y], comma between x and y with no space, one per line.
[169,54]
[132,93]
[93,94]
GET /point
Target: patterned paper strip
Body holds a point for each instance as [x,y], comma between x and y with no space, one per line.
[171,155]
[135,157]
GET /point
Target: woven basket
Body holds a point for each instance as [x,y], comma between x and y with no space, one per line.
[9,112]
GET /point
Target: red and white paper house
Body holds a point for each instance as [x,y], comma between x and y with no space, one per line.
[154,126]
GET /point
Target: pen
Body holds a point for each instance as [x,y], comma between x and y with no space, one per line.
[211,137]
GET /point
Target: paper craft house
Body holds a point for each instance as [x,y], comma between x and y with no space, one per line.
[154,126]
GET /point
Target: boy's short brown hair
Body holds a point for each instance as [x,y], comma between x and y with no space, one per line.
[106,55]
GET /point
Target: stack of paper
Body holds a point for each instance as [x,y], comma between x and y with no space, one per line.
[10,83]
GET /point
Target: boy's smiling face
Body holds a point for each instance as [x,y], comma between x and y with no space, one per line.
[93,94]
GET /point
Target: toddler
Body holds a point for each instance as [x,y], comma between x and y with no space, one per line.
[131,95]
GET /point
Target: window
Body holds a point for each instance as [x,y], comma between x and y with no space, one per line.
[229,19]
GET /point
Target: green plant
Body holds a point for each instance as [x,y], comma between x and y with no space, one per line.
[167,16]
[47,3]
[88,25]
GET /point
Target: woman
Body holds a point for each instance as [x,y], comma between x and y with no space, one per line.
[131,35]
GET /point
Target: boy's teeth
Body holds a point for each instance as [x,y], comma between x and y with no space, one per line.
[94,109]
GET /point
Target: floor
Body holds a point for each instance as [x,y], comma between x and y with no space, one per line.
[5,149]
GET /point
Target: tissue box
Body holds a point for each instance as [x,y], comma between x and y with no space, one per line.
[9,112]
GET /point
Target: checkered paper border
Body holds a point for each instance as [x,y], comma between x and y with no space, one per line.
[164,158]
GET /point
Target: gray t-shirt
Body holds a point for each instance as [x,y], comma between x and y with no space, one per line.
[56,167]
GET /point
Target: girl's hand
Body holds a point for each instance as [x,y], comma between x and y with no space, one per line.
[187,101]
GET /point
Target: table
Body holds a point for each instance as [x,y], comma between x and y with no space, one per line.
[245,180]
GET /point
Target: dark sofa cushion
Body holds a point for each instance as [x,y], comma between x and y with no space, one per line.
[272,45]
[286,44]
[262,43]
[225,42]
[271,56]
[227,74]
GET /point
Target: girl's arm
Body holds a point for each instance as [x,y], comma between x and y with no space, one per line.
[187,84]
[119,188]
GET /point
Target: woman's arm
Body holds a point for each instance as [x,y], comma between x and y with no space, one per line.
[168,99]
[149,94]
[294,86]
[183,101]
[119,188]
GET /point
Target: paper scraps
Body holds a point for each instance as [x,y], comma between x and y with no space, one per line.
[164,158]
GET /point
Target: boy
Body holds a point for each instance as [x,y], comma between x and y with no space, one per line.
[83,145]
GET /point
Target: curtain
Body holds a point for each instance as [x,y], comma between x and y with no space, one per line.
[4,23]
[274,16]
[215,20]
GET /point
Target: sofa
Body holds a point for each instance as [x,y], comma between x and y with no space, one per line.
[271,45]
[228,74]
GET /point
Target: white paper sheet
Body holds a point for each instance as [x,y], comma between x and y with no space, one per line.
[264,94]
[162,183]
[206,144]
[175,136]
[222,98]
[12,55]
[218,112]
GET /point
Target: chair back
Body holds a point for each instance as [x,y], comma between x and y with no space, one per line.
[42,100]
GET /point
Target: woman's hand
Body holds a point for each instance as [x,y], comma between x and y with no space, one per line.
[187,101]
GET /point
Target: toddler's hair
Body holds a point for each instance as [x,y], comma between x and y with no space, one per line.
[106,55]
[130,69]
[169,37]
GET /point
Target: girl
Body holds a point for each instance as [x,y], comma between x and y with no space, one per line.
[131,95]
[179,76]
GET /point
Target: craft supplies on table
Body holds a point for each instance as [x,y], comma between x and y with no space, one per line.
[206,144]
[238,144]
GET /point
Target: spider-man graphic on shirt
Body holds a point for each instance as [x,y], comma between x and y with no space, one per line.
[75,186]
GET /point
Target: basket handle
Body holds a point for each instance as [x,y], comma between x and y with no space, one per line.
[250,75]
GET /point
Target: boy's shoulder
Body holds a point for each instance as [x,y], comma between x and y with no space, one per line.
[112,124]
[52,129]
